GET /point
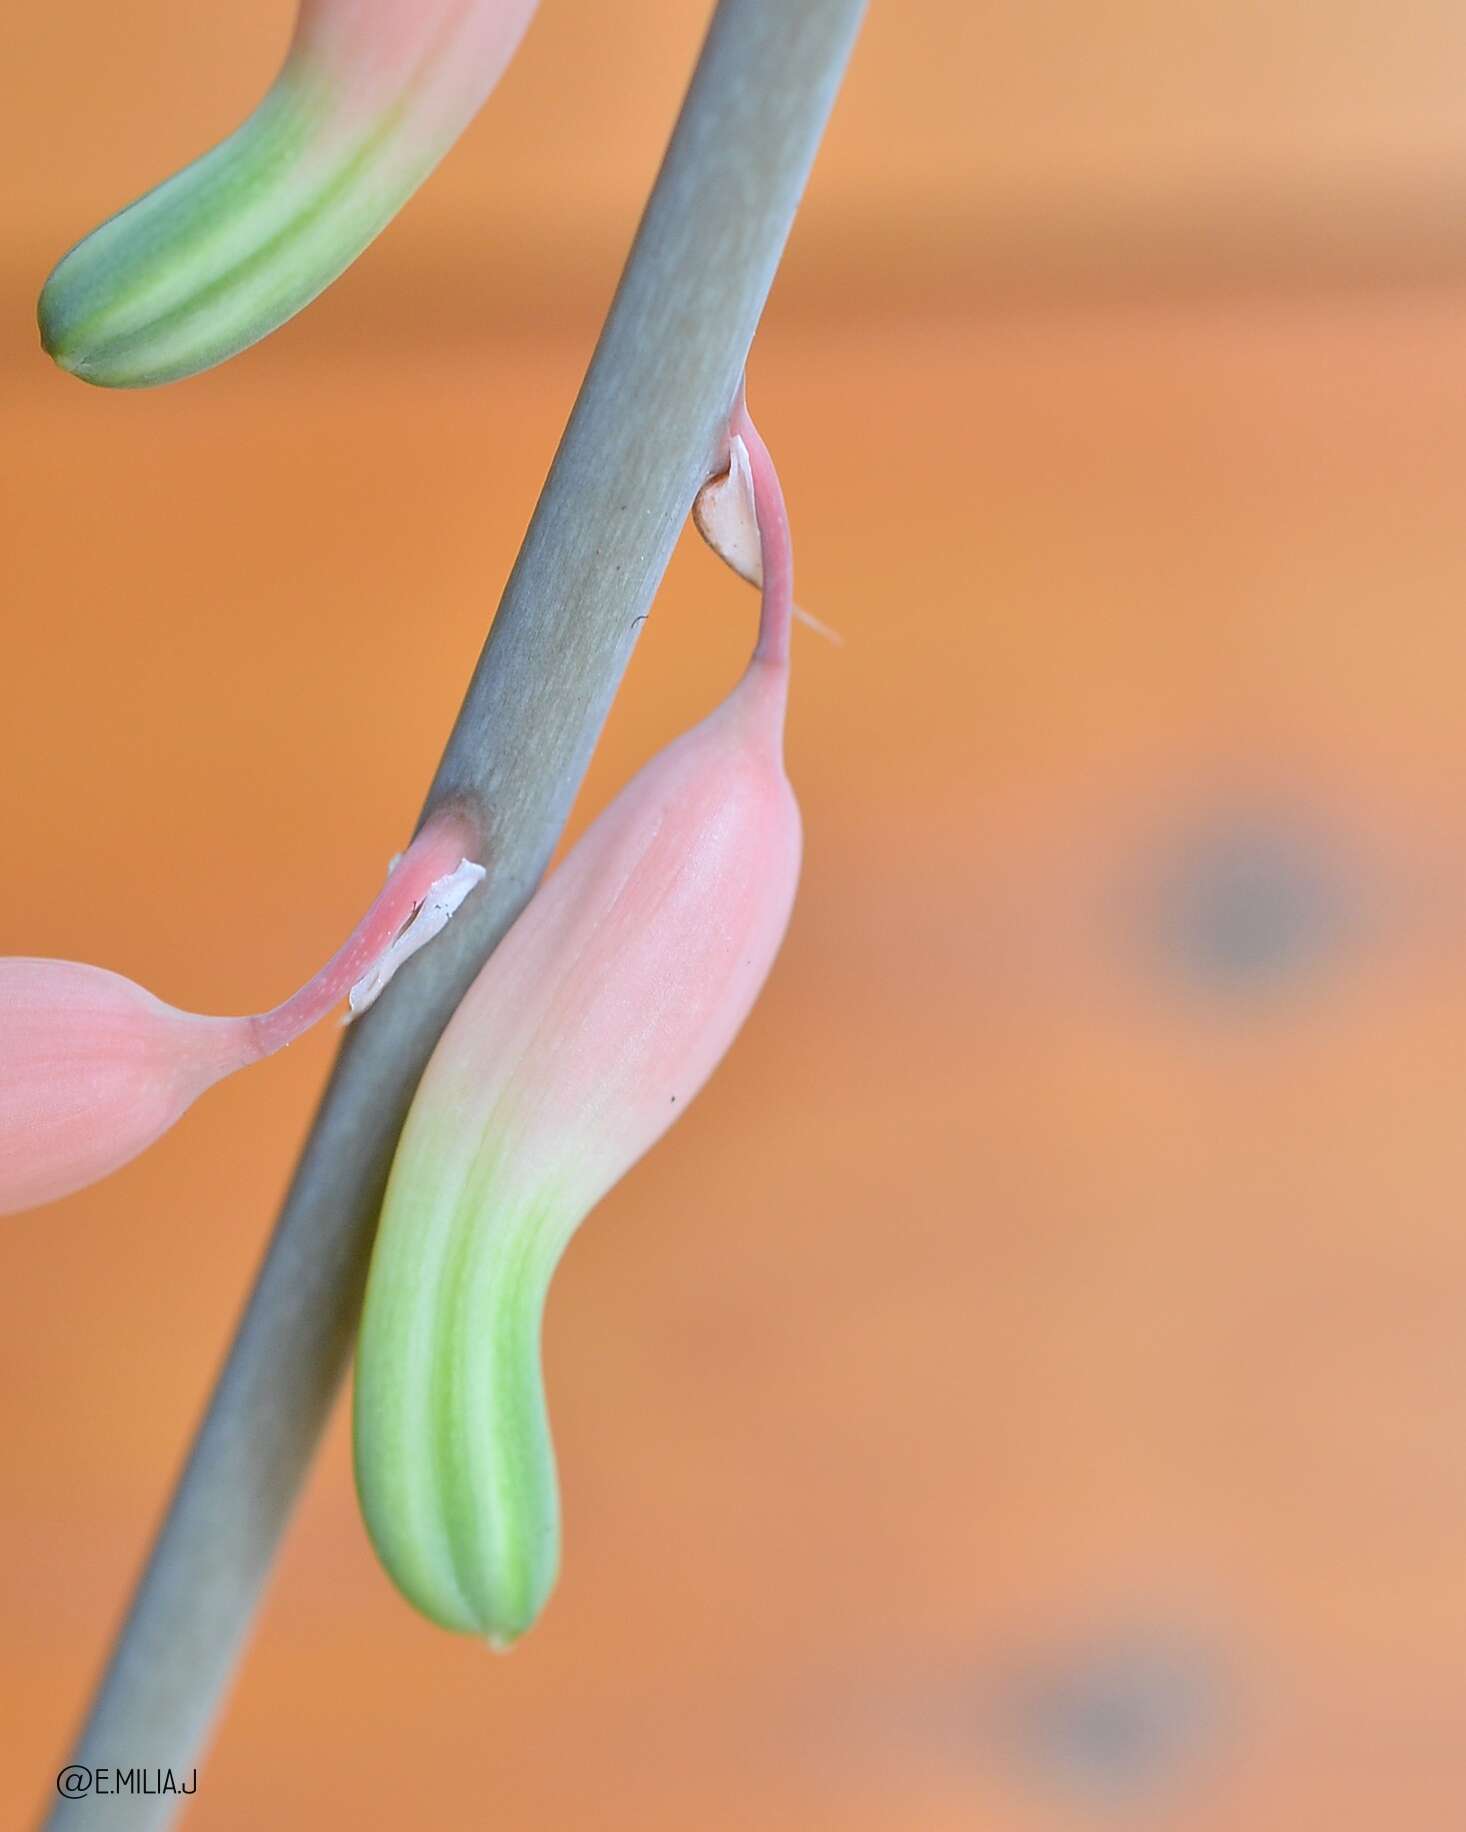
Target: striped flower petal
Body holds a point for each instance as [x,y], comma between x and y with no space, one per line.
[371,96]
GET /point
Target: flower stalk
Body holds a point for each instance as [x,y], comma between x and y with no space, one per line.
[93,1068]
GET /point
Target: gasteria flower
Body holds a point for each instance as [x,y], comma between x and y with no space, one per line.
[93,1067]
[371,96]
[600,1015]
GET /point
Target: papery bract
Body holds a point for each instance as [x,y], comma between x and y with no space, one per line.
[93,1067]
[599,1016]
[371,96]
[726,516]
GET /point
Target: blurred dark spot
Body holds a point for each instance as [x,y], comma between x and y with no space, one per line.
[1249,904]
[1119,1717]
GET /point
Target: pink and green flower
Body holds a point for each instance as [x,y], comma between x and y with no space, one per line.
[371,96]
[599,1017]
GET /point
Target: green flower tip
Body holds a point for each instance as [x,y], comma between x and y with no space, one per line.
[206,263]
[370,98]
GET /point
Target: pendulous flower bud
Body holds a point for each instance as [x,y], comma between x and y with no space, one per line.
[371,96]
[600,1015]
[93,1068]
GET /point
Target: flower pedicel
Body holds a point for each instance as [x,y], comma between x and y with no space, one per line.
[599,1016]
[93,1067]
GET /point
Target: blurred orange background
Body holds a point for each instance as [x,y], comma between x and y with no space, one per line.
[1027,1390]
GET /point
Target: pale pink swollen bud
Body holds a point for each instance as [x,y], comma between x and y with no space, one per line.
[592,1026]
[93,1067]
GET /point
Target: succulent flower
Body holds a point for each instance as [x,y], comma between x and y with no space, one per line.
[599,1016]
[93,1068]
[371,96]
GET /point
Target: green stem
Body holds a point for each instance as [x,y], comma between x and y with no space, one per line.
[645,433]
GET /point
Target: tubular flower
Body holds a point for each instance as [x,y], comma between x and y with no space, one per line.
[371,96]
[93,1068]
[599,1016]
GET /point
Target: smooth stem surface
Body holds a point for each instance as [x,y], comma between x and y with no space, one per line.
[645,433]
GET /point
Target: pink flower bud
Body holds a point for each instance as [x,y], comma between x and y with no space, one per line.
[596,1021]
[93,1067]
